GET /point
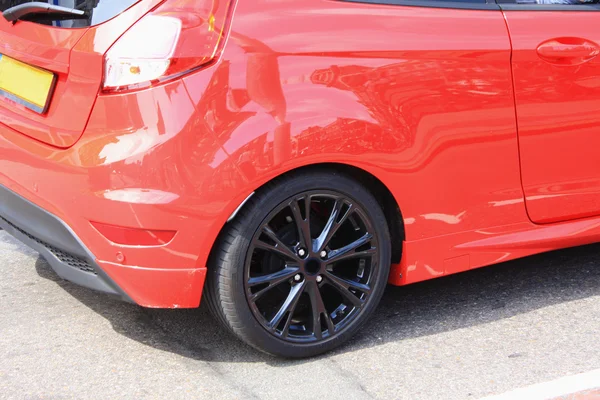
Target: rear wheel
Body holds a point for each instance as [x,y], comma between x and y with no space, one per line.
[302,266]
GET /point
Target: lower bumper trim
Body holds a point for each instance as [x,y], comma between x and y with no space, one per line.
[77,266]
[64,257]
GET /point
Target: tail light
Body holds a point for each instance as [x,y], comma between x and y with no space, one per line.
[177,37]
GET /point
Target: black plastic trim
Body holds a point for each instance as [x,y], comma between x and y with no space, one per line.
[548,7]
[38,8]
[512,5]
[37,228]
[38,222]
[463,5]
[506,5]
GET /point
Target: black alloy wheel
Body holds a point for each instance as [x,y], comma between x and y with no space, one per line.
[310,266]
[301,267]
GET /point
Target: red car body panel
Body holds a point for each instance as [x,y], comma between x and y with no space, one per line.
[557,101]
[76,57]
[420,98]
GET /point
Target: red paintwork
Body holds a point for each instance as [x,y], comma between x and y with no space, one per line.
[557,102]
[421,98]
[75,55]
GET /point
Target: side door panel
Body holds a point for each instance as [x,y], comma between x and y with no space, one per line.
[556,75]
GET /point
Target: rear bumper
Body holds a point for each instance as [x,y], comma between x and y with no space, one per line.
[144,165]
[55,241]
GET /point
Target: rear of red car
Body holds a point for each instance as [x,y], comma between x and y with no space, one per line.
[97,129]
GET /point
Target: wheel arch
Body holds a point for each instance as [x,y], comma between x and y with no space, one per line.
[382,193]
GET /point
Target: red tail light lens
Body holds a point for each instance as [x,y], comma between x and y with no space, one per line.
[177,37]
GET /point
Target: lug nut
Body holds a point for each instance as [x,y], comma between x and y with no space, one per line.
[301,252]
[297,277]
[319,279]
[323,254]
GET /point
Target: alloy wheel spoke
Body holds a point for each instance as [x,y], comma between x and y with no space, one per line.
[349,251]
[279,247]
[302,224]
[343,286]
[274,279]
[318,311]
[288,306]
[333,224]
[329,323]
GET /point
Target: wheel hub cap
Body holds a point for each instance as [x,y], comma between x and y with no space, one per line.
[312,267]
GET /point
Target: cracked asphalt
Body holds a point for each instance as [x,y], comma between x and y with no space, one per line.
[466,336]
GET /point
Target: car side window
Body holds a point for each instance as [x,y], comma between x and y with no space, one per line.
[549,2]
[460,4]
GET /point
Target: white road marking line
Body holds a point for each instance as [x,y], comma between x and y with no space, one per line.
[552,389]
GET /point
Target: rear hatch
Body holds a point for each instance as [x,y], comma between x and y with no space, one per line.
[51,68]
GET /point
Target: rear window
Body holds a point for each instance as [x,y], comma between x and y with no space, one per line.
[97,11]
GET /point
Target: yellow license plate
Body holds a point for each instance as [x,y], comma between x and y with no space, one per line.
[26,85]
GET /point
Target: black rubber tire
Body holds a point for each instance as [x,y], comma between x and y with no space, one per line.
[224,291]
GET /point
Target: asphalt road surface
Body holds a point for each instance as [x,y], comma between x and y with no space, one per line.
[467,336]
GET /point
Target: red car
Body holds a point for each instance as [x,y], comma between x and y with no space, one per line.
[293,157]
